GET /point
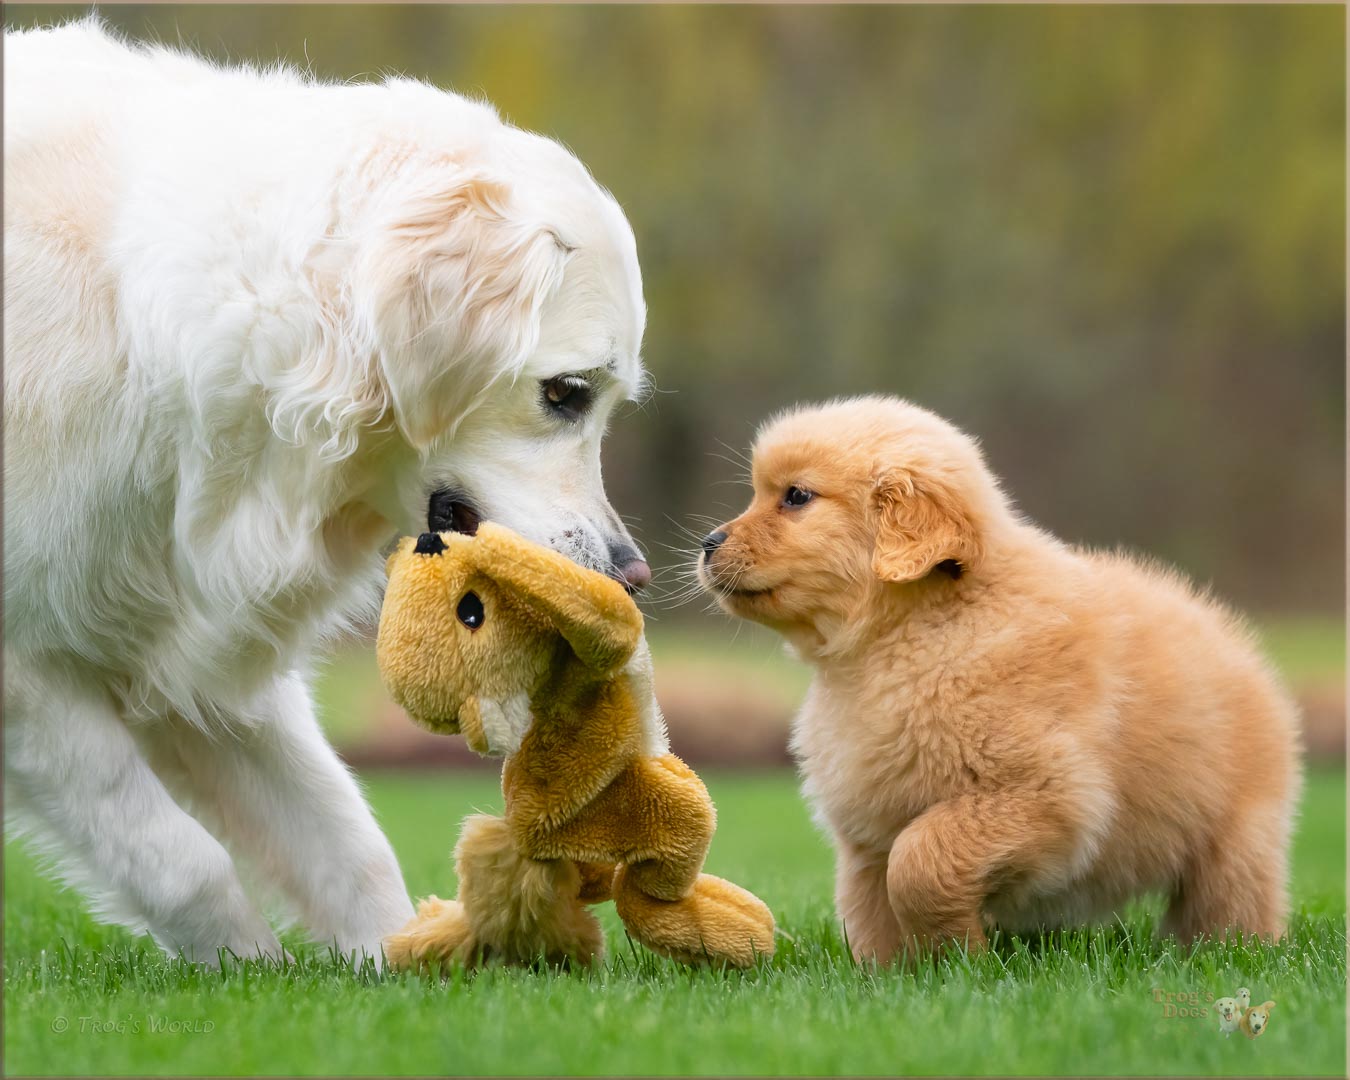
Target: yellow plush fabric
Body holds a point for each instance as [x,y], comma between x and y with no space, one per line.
[537,659]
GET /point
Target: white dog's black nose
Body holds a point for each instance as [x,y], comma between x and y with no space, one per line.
[449,510]
[713,541]
[629,568]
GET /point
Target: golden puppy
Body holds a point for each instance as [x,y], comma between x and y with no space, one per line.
[1003,730]
[1256,1019]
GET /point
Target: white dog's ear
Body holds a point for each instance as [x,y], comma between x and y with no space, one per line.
[454,280]
[920,524]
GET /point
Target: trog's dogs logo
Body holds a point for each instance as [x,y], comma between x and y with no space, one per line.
[1236,1013]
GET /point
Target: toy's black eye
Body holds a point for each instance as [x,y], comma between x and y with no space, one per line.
[567,396]
[470,611]
[795,496]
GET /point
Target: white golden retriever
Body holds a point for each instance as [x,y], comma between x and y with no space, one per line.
[255,325]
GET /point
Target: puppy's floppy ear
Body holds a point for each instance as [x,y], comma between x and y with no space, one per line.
[452,278]
[920,523]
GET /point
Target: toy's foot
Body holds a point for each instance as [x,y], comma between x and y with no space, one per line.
[534,913]
[525,910]
[717,922]
[438,934]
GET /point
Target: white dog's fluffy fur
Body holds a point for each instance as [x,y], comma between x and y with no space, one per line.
[251,322]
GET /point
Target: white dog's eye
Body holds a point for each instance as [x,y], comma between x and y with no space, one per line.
[567,396]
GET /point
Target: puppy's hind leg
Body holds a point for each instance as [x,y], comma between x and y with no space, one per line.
[94,803]
[1236,883]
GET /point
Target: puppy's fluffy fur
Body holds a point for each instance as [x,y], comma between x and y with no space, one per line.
[251,322]
[1002,729]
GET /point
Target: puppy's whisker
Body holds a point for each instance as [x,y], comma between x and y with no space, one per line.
[683,593]
[680,598]
[691,535]
[670,584]
[740,456]
[687,556]
[707,524]
[742,477]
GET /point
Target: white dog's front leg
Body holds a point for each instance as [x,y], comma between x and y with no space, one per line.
[292,807]
[78,783]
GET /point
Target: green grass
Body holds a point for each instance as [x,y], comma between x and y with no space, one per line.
[1083,1002]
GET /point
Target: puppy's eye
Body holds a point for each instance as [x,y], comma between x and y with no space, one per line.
[567,396]
[470,611]
[795,496]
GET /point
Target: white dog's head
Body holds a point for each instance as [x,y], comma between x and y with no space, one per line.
[500,287]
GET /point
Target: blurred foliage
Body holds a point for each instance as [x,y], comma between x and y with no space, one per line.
[1307,650]
[1108,240]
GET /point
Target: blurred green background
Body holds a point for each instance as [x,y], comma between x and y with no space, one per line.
[1110,241]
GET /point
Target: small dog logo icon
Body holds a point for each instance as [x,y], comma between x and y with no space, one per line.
[1256,1019]
[1230,1014]
[1237,1013]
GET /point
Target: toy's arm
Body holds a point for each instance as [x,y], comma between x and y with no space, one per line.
[593,613]
[564,763]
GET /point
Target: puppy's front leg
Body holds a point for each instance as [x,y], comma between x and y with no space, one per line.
[289,804]
[950,858]
[864,907]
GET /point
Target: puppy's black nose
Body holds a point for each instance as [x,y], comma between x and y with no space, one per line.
[429,544]
[713,541]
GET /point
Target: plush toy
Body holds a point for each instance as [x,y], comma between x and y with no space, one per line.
[534,658]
